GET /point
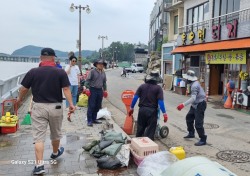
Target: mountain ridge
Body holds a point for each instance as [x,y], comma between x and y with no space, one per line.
[31,50]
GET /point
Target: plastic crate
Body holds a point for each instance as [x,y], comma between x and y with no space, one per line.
[137,159]
[6,130]
[9,128]
[144,146]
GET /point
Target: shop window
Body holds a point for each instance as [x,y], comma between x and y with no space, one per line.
[194,61]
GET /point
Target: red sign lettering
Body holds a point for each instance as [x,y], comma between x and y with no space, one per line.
[232,29]
[216,30]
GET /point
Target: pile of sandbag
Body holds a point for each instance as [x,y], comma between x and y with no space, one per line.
[154,62]
[111,150]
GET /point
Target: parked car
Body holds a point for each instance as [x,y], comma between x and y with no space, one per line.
[128,69]
[135,67]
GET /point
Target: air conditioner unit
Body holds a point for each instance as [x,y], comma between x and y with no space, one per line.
[243,99]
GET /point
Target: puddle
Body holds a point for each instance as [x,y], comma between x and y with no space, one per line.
[225,116]
[5,143]
[69,139]
[105,172]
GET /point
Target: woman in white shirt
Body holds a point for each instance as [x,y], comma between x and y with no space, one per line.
[73,73]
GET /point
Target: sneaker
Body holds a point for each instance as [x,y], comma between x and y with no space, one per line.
[38,170]
[60,152]
[90,124]
[97,122]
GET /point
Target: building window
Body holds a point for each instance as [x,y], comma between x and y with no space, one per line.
[222,7]
[194,61]
[176,24]
[198,14]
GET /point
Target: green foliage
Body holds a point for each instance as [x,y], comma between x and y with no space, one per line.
[116,51]
[95,55]
[165,39]
[85,61]
[159,45]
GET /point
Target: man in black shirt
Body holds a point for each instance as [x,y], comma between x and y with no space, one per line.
[151,95]
[46,83]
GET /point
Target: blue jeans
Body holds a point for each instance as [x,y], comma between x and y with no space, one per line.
[94,103]
[73,90]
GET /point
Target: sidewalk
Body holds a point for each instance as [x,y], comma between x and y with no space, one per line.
[17,151]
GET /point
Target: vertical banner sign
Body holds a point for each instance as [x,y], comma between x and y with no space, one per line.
[226,57]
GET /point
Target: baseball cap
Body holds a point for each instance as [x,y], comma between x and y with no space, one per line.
[48,52]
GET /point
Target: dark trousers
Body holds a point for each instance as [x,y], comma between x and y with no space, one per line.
[147,122]
[94,103]
[197,116]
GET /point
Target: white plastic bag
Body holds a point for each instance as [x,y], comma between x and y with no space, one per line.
[103,113]
[124,154]
[154,164]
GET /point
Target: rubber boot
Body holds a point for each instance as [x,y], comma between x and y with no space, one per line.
[203,141]
[190,135]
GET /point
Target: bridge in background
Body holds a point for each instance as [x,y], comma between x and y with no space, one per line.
[32,59]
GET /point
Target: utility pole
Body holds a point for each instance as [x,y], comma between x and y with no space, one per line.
[102,37]
[79,43]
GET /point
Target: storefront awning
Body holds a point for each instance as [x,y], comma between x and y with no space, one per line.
[215,46]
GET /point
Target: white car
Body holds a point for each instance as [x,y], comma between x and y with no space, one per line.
[135,67]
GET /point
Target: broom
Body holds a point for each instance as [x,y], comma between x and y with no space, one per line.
[27,118]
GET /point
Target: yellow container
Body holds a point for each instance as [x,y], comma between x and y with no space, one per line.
[7,114]
[179,152]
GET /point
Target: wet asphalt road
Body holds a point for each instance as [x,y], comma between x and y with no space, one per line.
[228,130]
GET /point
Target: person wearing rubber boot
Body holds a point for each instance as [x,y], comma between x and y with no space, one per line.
[96,83]
[151,95]
[197,109]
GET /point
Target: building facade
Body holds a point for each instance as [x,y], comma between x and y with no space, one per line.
[215,42]
[158,26]
[141,56]
[166,17]
[171,63]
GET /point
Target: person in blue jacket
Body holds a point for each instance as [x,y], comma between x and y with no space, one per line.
[151,96]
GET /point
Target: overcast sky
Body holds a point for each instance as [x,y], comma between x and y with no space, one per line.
[49,23]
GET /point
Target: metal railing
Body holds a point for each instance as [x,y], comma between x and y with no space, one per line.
[9,87]
[241,16]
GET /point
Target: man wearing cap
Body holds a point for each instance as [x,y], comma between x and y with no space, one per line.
[96,83]
[46,83]
[73,73]
[151,95]
[197,109]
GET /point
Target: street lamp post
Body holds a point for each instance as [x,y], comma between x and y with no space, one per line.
[72,9]
[102,37]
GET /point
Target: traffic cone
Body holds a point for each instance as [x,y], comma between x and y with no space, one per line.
[128,125]
[234,99]
[228,103]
